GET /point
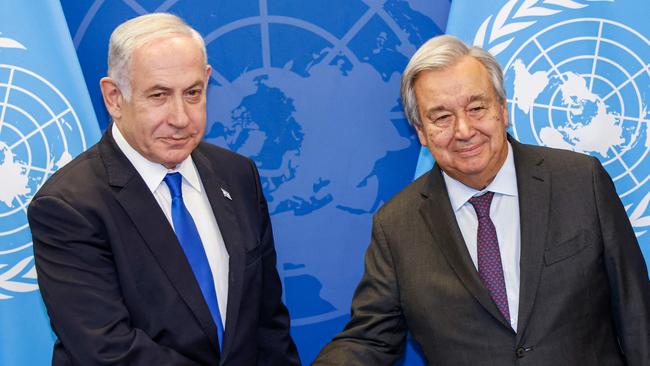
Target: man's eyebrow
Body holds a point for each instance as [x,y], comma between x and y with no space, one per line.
[436,109]
[157,87]
[196,83]
[477,97]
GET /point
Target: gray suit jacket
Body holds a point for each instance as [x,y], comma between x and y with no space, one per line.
[584,296]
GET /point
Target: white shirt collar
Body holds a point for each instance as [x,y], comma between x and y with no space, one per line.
[505,183]
[154,173]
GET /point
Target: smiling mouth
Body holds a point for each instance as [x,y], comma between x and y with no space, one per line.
[174,140]
[469,151]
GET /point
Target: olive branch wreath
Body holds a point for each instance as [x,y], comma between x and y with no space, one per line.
[10,280]
[496,35]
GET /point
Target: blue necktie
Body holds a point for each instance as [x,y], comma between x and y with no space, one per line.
[190,240]
[490,269]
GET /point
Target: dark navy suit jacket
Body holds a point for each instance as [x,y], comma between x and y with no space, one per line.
[116,283]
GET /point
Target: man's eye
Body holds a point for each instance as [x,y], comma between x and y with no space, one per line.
[157,95]
[441,120]
[194,93]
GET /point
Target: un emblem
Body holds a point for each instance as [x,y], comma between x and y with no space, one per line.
[39,133]
[579,84]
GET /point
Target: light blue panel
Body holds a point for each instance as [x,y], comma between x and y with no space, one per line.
[46,119]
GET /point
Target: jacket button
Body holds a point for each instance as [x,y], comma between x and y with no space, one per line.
[520,352]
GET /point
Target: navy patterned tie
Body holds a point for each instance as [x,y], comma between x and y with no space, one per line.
[190,240]
[490,269]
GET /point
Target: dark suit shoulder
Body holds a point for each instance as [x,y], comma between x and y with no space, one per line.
[219,152]
[559,161]
[225,161]
[407,200]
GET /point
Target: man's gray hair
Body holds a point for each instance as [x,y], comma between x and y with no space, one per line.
[439,53]
[137,32]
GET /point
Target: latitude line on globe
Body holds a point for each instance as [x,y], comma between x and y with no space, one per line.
[629,80]
[16,249]
[399,32]
[299,23]
[21,203]
[135,6]
[6,98]
[628,171]
[40,128]
[280,19]
[593,65]
[636,119]
[166,5]
[548,59]
[352,31]
[35,168]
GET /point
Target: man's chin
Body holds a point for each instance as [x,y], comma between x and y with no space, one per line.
[170,161]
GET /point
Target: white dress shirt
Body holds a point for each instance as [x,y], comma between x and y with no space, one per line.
[196,201]
[504,212]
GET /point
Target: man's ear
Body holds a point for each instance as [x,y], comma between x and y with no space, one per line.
[504,114]
[208,71]
[113,98]
[421,135]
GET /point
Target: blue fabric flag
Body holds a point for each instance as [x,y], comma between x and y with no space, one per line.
[46,119]
[576,76]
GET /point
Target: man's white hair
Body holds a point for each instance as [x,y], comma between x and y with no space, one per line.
[439,53]
[138,32]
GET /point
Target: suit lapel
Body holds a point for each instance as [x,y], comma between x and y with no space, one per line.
[137,201]
[439,217]
[534,186]
[231,232]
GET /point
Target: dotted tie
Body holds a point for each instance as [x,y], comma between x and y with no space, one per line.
[490,269]
[190,241]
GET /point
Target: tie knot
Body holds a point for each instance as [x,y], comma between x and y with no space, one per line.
[174,181]
[482,204]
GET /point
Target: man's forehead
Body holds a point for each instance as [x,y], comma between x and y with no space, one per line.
[457,101]
[170,63]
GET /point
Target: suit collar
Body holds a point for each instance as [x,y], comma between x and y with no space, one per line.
[437,213]
[221,201]
[154,173]
[505,183]
[140,205]
[534,185]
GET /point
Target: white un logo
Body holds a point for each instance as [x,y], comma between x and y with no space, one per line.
[39,133]
[582,85]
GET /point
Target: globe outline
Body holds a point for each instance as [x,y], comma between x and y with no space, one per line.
[338,46]
[267,69]
[630,79]
[38,129]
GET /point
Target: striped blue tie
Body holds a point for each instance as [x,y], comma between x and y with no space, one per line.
[188,236]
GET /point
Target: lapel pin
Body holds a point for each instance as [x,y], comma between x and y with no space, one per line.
[226,194]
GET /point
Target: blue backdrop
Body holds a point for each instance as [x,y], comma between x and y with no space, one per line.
[310,91]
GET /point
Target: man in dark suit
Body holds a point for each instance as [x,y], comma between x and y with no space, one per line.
[503,254]
[152,247]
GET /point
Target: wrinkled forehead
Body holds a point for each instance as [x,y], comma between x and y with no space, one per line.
[175,62]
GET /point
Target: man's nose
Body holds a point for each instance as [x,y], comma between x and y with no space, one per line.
[463,128]
[178,116]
